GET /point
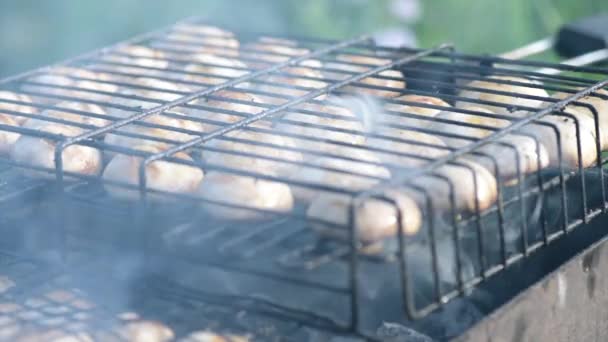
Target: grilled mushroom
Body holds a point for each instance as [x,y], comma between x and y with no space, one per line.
[532,88]
[204,38]
[463,175]
[276,50]
[207,336]
[459,127]
[147,331]
[601,107]
[506,151]
[137,57]
[551,126]
[160,175]
[305,75]
[167,91]
[375,219]
[91,85]
[304,78]
[270,145]
[338,171]
[7,138]
[211,70]
[86,119]
[310,80]
[222,103]
[329,122]
[413,109]
[247,192]
[460,176]
[40,152]
[155,135]
[13,107]
[49,84]
[357,64]
[87,79]
[405,148]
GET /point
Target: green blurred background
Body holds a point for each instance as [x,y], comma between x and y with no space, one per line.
[35,32]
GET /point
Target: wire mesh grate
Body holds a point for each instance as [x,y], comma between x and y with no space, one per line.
[74,304]
[316,152]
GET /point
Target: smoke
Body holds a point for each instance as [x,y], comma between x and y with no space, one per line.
[395,37]
[380,286]
[367,108]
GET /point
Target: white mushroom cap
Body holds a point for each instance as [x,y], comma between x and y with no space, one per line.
[252,145]
[160,175]
[70,77]
[138,56]
[167,91]
[375,219]
[220,67]
[244,191]
[169,133]
[92,84]
[328,126]
[312,79]
[207,336]
[567,131]
[471,132]
[8,106]
[53,79]
[508,100]
[276,50]
[211,38]
[147,331]
[506,156]
[435,151]
[463,180]
[601,107]
[397,85]
[367,165]
[202,29]
[72,117]
[40,152]
[411,109]
[7,138]
[244,104]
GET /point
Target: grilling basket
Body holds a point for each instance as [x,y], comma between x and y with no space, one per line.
[195,183]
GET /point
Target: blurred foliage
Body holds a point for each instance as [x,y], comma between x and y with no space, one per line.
[34,33]
[497,25]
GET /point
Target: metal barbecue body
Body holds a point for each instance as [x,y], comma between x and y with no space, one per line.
[281,267]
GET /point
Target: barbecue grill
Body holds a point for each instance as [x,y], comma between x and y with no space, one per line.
[282,274]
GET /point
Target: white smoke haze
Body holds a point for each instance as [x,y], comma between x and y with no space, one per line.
[379,287]
[366,107]
[407,10]
[371,112]
[396,37]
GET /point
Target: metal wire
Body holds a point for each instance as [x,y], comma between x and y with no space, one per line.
[63,305]
[288,104]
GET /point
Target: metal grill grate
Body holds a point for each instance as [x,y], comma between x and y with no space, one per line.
[270,91]
[79,305]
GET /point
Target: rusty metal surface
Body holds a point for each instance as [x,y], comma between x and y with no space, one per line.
[569,304]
